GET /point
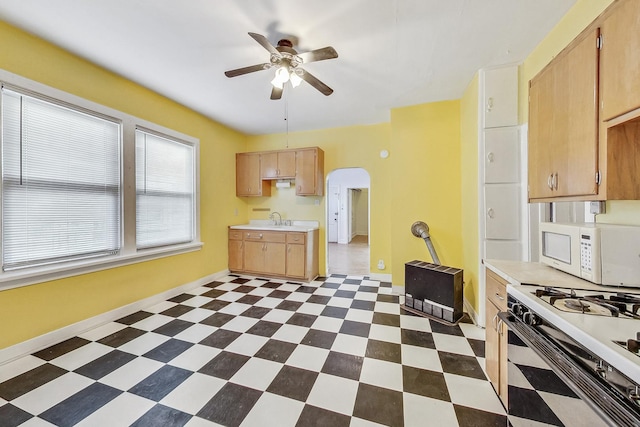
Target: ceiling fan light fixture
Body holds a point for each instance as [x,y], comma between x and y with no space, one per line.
[287,63]
[295,79]
[282,76]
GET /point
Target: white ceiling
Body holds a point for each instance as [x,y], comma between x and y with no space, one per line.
[392,53]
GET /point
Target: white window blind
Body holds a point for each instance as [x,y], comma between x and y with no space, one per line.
[164,191]
[60,182]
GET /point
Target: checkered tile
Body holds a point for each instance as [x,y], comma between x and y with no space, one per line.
[538,396]
[247,351]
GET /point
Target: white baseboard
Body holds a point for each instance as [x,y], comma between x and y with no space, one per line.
[397,290]
[472,312]
[43,341]
[380,277]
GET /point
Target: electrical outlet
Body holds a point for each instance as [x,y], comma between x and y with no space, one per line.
[596,208]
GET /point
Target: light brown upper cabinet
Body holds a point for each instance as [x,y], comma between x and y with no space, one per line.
[563,123]
[620,101]
[309,172]
[584,114]
[248,181]
[620,66]
[278,164]
[256,170]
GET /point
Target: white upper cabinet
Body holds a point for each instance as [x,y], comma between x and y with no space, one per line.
[500,100]
[502,211]
[501,155]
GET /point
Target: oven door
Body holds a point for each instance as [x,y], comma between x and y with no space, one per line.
[548,386]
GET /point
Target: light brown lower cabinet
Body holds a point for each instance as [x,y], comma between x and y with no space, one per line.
[274,253]
[496,340]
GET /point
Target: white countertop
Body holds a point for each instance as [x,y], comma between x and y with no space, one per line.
[596,333]
[267,225]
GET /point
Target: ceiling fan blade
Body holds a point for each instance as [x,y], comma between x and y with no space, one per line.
[276,93]
[313,81]
[264,43]
[247,70]
[318,55]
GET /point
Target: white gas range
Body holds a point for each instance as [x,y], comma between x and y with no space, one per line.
[586,334]
[587,316]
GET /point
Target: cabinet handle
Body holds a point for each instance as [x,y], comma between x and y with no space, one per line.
[499,328]
[490,213]
[555,181]
[489,104]
[549,178]
[260,237]
[500,297]
[490,157]
[495,323]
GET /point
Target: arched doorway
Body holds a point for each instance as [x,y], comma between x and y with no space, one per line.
[348,231]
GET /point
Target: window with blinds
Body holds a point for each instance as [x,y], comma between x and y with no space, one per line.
[60,182]
[165,196]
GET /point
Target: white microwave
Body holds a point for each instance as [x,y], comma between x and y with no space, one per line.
[600,253]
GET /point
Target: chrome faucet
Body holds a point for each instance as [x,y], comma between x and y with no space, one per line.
[272,218]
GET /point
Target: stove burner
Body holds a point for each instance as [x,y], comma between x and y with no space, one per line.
[633,345]
[613,304]
[577,304]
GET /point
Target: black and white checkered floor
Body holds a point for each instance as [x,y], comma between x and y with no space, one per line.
[246,351]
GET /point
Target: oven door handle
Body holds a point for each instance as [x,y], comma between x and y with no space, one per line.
[613,410]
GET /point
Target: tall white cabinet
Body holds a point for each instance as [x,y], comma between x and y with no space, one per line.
[503,211]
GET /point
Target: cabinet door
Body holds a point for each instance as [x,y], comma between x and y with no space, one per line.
[502,205]
[492,346]
[236,255]
[286,164]
[274,258]
[563,123]
[306,172]
[501,97]
[620,60]
[542,153]
[254,259]
[501,155]
[296,260]
[503,249]
[269,165]
[503,363]
[310,172]
[248,181]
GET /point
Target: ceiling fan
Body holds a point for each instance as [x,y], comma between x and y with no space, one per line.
[287,62]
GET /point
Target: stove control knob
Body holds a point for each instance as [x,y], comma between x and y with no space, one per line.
[530,318]
[517,309]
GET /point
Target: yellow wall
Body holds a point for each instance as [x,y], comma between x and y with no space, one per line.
[577,19]
[420,180]
[355,146]
[30,311]
[469,164]
[425,178]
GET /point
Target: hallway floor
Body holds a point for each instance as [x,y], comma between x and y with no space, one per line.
[352,258]
[246,351]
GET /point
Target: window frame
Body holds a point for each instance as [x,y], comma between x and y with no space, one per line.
[129,254]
